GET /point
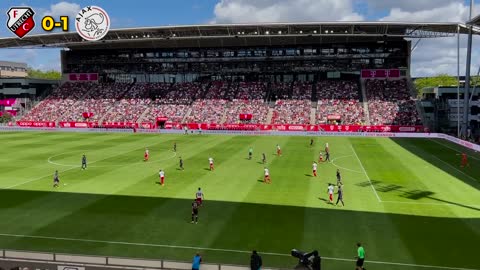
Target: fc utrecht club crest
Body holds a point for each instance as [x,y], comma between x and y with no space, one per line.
[92,23]
[20,20]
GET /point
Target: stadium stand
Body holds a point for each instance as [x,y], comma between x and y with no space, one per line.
[390,103]
[132,105]
[58,103]
[249,99]
[340,98]
[96,102]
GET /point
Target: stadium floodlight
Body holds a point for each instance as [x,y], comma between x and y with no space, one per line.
[279,32]
[314,31]
[256,33]
[144,36]
[136,36]
[267,32]
[243,33]
[326,31]
[238,33]
[301,32]
[131,37]
[174,35]
[148,35]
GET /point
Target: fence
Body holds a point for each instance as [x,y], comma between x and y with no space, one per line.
[82,262]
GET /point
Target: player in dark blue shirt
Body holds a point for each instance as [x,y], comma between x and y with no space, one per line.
[327,156]
[339,178]
[340,195]
[175,147]
[181,163]
[84,162]
[56,179]
[264,158]
[195,207]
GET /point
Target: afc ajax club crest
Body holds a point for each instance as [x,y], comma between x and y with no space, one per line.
[92,23]
[20,20]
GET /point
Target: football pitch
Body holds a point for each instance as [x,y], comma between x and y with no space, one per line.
[406,200]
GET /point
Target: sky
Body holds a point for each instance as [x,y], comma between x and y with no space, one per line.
[431,56]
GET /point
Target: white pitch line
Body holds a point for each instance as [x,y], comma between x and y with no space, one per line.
[343,168]
[365,172]
[40,178]
[49,160]
[432,203]
[451,166]
[216,249]
[448,146]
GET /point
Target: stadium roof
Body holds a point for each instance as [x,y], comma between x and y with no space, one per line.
[475,21]
[224,35]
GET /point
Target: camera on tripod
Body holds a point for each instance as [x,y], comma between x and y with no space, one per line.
[310,260]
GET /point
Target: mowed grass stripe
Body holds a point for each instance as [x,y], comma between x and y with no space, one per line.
[124,204]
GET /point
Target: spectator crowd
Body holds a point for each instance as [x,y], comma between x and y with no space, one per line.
[389,102]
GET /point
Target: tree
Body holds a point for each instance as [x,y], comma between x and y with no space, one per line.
[439,80]
[39,74]
[5,118]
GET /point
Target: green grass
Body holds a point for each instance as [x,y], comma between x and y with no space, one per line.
[427,211]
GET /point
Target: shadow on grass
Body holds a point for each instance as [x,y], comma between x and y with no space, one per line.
[412,194]
[442,158]
[136,226]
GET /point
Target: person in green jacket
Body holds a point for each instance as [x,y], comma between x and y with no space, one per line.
[360,257]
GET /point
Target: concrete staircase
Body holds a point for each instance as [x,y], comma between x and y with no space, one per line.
[418,103]
[140,119]
[92,89]
[313,113]
[269,115]
[365,102]
[128,88]
[187,114]
[224,115]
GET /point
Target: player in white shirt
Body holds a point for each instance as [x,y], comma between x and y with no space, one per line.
[266,178]
[199,196]
[331,189]
[326,148]
[161,174]
[279,150]
[314,169]
[210,161]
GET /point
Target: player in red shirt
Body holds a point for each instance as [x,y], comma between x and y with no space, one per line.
[146,155]
[314,169]
[279,150]
[161,174]
[210,161]
[266,178]
[464,161]
[320,157]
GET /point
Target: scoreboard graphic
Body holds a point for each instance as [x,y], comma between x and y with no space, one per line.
[92,23]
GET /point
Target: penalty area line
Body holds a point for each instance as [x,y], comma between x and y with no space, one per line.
[218,250]
[343,168]
[365,172]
